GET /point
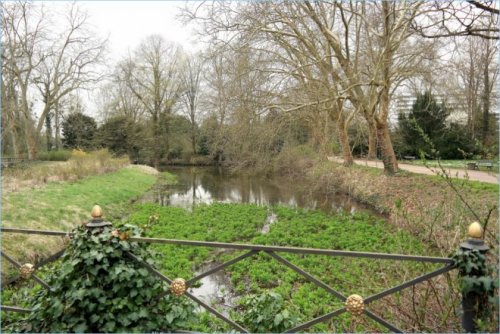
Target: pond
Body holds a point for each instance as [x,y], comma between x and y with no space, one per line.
[205,185]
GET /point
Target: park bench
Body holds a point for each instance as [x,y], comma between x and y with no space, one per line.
[409,157]
[480,163]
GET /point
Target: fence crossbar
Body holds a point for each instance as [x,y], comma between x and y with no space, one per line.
[383,322]
[194,298]
[409,283]
[382,256]
[149,267]
[14,309]
[298,250]
[307,275]
[39,232]
[216,313]
[315,321]
[32,276]
[220,267]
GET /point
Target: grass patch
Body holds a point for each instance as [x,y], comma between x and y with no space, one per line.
[63,205]
[458,164]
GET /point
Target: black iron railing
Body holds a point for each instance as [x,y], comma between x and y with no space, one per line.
[181,286]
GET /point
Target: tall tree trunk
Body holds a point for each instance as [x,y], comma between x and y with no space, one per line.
[344,140]
[486,105]
[372,140]
[385,145]
[56,121]
[193,138]
[157,141]
[48,131]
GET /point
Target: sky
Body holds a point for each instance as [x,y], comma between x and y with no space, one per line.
[126,24]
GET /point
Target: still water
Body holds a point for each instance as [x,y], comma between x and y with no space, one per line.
[197,185]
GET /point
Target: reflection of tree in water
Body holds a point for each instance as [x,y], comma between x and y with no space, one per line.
[208,184]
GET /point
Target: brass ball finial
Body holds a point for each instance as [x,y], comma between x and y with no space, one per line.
[26,270]
[475,230]
[178,287]
[355,305]
[96,212]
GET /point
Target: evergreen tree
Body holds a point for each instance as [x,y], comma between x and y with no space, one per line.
[78,131]
[426,123]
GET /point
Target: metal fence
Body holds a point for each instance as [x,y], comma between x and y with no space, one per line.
[354,304]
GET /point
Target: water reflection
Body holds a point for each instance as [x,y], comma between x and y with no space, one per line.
[208,184]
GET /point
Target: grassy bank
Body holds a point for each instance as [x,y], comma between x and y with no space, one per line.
[431,208]
[63,205]
[301,228]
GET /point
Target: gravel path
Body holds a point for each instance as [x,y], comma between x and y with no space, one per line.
[488,177]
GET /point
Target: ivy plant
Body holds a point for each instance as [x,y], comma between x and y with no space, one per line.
[476,281]
[98,288]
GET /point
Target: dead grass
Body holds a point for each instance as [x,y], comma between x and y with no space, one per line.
[80,165]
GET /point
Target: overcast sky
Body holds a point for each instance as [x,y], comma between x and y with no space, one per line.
[126,24]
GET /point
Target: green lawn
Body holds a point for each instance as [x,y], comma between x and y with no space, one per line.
[63,205]
[459,164]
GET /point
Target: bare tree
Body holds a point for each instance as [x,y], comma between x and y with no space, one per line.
[153,76]
[458,18]
[70,62]
[55,63]
[23,33]
[191,83]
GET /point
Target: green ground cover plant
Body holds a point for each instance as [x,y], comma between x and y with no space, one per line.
[295,227]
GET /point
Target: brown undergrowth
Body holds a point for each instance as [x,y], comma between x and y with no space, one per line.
[437,210]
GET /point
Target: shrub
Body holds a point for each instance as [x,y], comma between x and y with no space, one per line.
[97,288]
[267,313]
[60,155]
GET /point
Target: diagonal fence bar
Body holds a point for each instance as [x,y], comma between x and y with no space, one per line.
[14,309]
[150,268]
[216,313]
[194,298]
[33,276]
[315,321]
[307,275]
[221,266]
[409,283]
[383,322]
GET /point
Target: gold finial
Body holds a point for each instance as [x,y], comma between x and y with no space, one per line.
[178,286]
[26,270]
[475,230]
[96,212]
[355,305]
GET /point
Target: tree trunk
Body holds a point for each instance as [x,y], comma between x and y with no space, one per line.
[344,141]
[372,141]
[193,137]
[56,121]
[486,105]
[385,144]
[48,131]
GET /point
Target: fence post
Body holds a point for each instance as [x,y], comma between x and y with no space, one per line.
[97,220]
[471,300]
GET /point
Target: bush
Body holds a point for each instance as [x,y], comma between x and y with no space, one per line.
[60,155]
[295,160]
[98,288]
[266,313]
